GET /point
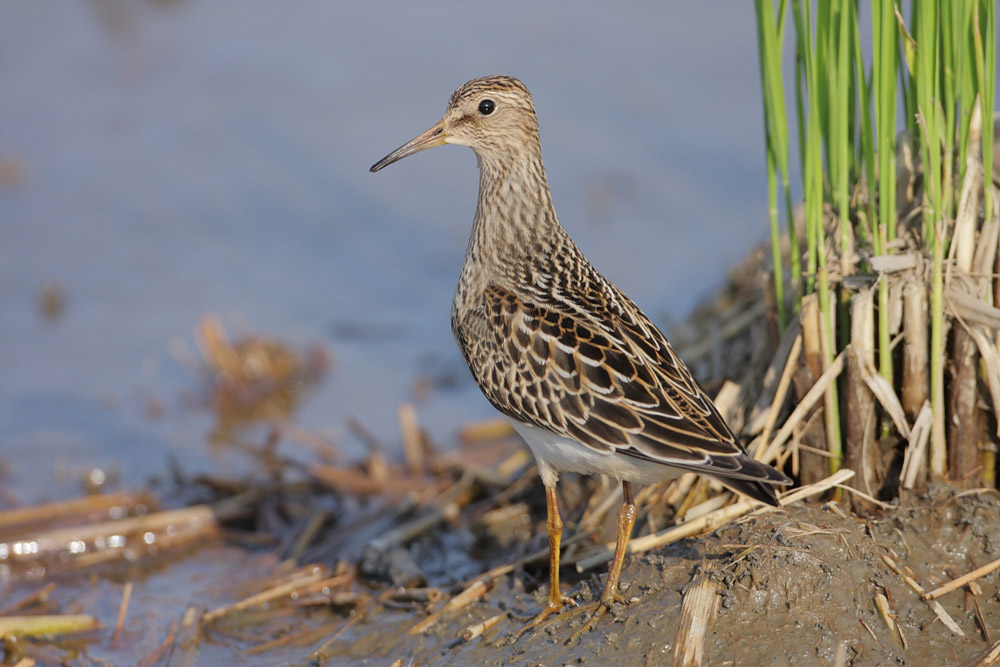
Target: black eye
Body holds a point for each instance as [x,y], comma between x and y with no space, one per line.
[486,107]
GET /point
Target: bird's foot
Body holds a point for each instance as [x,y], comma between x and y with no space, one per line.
[551,607]
[602,607]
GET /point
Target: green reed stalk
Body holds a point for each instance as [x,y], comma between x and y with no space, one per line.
[866,151]
[966,78]
[884,228]
[847,122]
[812,179]
[927,80]
[839,146]
[985,35]
[776,134]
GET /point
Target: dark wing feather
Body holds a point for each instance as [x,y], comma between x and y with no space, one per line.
[609,380]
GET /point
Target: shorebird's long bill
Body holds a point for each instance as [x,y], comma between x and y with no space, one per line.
[429,139]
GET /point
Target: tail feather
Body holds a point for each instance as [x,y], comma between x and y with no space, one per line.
[762,491]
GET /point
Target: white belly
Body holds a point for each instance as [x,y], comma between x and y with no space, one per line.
[556,454]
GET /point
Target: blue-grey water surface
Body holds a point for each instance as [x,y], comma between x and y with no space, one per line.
[164,160]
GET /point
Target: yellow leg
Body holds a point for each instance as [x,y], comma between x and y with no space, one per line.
[553,528]
[626,519]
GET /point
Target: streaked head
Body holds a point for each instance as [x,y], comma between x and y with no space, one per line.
[494,116]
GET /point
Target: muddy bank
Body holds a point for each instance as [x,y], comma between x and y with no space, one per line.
[797,586]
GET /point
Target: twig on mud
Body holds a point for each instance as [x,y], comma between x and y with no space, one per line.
[122,610]
[699,610]
[165,646]
[415,594]
[871,499]
[41,595]
[963,580]
[318,574]
[477,629]
[308,533]
[188,639]
[934,604]
[867,627]
[476,590]
[301,638]
[988,659]
[889,616]
[974,592]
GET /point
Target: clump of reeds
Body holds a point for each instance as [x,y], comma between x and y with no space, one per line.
[896,265]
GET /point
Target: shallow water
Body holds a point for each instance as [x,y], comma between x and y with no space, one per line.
[165,160]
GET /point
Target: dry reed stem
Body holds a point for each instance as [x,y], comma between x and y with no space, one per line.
[970,308]
[336,581]
[988,659]
[886,395]
[592,517]
[768,407]
[727,403]
[714,503]
[964,426]
[798,414]
[812,468]
[308,533]
[189,523]
[408,531]
[988,351]
[301,638]
[915,347]
[840,655]
[351,481]
[47,624]
[70,508]
[780,394]
[409,431]
[122,610]
[401,594]
[41,595]
[281,590]
[915,457]
[699,610]
[935,606]
[487,429]
[473,592]
[886,264]
[831,411]
[963,580]
[963,244]
[882,604]
[165,646]
[188,639]
[25,662]
[477,629]
[860,453]
[709,521]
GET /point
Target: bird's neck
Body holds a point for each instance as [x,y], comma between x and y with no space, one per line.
[515,223]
